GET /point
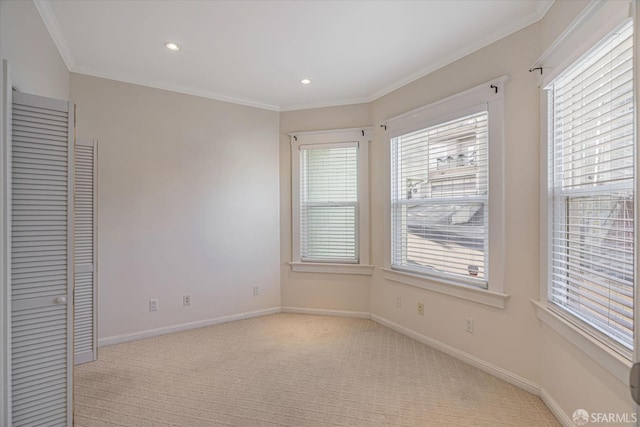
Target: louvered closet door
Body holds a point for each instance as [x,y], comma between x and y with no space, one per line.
[41,262]
[85,298]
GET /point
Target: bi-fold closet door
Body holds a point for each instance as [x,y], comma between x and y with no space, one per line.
[51,218]
[41,261]
[85,251]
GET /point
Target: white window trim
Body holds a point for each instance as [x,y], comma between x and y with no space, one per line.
[612,361]
[322,267]
[492,94]
[443,286]
[597,20]
[362,136]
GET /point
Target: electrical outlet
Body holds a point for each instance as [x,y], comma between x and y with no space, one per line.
[153,304]
[468,325]
[421,309]
[398,302]
[256,291]
[186,300]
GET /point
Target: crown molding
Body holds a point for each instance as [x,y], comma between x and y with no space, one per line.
[326,104]
[51,22]
[532,18]
[176,88]
[542,7]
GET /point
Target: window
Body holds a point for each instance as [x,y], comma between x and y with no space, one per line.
[330,179]
[329,203]
[439,199]
[591,188]
[446,221]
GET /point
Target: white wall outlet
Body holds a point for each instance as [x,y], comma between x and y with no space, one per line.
[468,324]
[186,300]
[256,291]
[398,302]
[153,304]
[421,309]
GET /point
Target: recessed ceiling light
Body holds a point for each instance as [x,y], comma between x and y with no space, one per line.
[172,46]
[305,81]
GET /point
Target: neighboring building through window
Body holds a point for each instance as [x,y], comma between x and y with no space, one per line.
[592,191]
[439,199]
[330,200]
[447,193]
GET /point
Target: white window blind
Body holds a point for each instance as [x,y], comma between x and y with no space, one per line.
[329,202]
[591,180]
[439,200]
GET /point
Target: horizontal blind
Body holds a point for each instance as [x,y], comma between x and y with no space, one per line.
[592,188]
[439,199]
[329,203]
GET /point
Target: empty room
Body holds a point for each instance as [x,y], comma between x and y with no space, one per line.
[318,213]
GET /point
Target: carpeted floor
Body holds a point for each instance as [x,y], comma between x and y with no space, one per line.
[293,370]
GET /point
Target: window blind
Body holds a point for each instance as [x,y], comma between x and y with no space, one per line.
[591,179]
[439,199]
[329,202]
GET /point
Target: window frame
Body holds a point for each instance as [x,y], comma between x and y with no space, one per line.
[579,320]
[396,205]
[459,105]
[593,24]
[337,137]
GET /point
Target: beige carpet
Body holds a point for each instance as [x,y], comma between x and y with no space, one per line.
[293,370]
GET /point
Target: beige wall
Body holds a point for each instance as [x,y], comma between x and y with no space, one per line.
[318,291]
[571,377]
[575,381]
[512,339]
[188,203]
[25,42]
[177,173]
[507,338]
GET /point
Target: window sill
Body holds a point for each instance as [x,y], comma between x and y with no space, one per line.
[319,267]
[616,364]
[481,296]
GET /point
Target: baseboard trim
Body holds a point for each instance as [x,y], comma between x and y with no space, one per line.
[487,367]
[555,409]
[117,339]
[326,312]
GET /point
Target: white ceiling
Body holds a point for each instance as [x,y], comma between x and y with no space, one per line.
[256,52]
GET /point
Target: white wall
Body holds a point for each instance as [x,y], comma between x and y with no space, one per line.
[25,42]
[188,204]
